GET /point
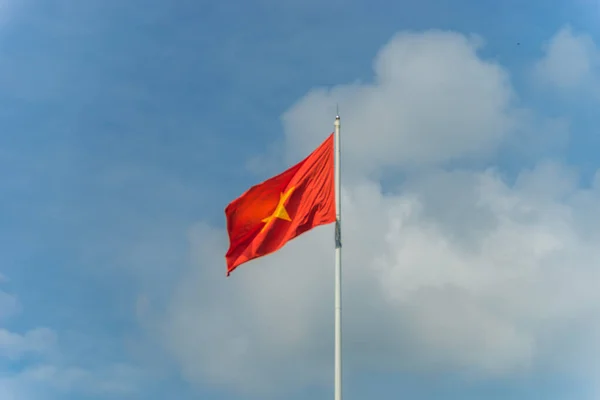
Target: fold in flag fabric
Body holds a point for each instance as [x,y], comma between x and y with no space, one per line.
[270,214]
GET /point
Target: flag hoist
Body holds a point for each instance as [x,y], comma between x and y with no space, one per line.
[268,215]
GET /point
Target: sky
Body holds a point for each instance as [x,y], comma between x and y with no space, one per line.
[471,198]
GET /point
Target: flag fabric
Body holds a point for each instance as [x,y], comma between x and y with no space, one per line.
[270,214]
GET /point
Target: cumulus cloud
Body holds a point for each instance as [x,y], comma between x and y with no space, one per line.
[447,269]
[462,271]
[570,61]
[433,100]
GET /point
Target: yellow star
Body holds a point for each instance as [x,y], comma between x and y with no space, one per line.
[280,211]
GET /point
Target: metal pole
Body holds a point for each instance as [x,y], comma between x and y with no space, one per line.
[338,266]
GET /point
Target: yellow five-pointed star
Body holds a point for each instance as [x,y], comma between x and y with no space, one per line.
[280,211]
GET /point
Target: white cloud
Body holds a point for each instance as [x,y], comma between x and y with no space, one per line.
[35,341]
[432,100]
[570,61]
[47,381]
[453,269]
[39,368]
[13,345]
[461,271]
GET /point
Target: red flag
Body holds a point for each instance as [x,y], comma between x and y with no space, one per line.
[268,215]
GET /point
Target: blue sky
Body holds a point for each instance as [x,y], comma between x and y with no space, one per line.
[127,126]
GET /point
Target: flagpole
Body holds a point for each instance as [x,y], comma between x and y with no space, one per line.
[338,266]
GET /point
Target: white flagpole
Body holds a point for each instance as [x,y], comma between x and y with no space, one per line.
[338,266]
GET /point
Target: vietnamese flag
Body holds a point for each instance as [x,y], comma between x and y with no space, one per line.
[268,215]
